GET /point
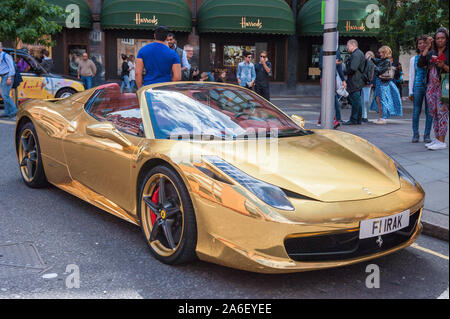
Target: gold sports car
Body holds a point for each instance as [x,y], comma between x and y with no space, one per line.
[213,171]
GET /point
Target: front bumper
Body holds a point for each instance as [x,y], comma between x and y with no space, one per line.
[229,238]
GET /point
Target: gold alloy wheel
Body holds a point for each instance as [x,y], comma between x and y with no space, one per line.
[28,157]
[162,215]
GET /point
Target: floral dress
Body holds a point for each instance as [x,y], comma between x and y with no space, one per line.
[438,109]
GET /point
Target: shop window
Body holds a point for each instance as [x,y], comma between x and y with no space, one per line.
[232,54]
[75,55]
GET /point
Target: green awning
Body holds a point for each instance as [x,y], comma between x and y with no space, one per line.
[352,18]
[146,14]
[250,16]
[85,12]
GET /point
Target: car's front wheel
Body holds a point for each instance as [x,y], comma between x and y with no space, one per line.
[167,216]
[29,155]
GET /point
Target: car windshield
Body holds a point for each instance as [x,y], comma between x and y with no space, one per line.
[213,110]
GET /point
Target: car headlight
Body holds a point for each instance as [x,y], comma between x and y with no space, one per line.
[403,173]
[268,193]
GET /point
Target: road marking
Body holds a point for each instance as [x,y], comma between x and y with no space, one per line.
[444,295]
[432,252]
[8,122]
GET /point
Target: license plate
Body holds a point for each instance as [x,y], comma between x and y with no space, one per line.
[383,225]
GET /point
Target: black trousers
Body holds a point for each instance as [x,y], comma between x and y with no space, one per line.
[263,91]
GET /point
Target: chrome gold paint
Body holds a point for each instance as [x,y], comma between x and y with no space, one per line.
[332,170]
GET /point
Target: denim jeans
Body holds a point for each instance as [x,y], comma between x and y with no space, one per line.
[355,100]
[10,108]
[367,99]
[133,85]
[87,82]
[337,107]
[126,84]
[419,97]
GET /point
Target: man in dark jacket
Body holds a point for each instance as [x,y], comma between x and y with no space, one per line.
[355,81]
[47,62]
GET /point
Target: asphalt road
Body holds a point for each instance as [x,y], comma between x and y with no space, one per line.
[114,261]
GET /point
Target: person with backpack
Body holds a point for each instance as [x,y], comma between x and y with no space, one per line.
[125,75]
[367,91]
[355,81]
[7,73]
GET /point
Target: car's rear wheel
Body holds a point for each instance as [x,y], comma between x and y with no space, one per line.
[29,155]
[65,92]
[167,216]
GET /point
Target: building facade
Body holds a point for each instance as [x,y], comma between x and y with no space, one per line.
[219,31]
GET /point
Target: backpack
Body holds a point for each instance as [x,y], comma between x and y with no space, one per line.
[368,71]
[17,78]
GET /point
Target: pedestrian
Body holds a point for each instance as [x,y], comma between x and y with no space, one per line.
[7,73]
[437,64]
[161,63]
[191,71]
[132,76]
[125,75]
[222,78]
[22,65]
[355,82]
[387,96]
[204,77]
[368,90]
[263,70]
[172,42]
[341,86]
[398,76]
[47,62]
[97,80]
[417,91]
[86,71]
[246,74]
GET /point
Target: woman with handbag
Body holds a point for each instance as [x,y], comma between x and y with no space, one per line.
[387,100]
[436,62]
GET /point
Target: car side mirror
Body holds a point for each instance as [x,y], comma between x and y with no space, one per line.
[300,121]
[108,131]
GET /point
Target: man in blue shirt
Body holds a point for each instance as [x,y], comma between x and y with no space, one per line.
[161,63]
[7,72]
[246,74]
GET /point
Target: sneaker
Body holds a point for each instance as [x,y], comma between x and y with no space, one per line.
[431,143]
[437,146]
[415,139]
[381,121]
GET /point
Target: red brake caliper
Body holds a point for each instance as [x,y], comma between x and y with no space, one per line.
[154,200]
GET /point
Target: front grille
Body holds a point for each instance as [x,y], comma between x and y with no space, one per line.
[346,245]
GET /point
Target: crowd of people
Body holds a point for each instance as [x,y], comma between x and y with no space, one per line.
[372,82]
[368,82]
[163,61]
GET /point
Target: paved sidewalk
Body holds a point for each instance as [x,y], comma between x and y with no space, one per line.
[429,168]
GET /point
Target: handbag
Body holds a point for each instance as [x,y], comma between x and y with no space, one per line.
[388,75]
[444,88]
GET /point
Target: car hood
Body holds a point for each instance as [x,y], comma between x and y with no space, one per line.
[67,77]
[327,166]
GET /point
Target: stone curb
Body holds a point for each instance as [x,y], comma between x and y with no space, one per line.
[435,231]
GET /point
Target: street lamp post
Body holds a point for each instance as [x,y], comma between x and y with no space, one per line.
[330,45]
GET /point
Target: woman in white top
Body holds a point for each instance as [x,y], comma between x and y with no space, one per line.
[132,65]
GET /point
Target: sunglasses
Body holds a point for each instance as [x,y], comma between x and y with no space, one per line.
[263,56]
